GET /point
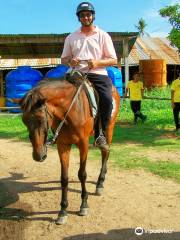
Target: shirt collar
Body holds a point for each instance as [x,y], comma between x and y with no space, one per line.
[95,30]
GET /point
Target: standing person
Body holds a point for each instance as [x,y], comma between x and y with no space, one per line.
[92,44]
[136,91]
[175,98]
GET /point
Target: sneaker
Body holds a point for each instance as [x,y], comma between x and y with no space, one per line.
[101,143]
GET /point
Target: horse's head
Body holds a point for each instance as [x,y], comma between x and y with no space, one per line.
[36,119]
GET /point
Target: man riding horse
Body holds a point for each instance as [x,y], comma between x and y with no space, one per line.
[92,44]
[64,107]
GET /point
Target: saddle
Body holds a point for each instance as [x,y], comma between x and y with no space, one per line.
[77,78]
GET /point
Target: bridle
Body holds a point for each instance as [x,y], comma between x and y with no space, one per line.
[47,113]
[56,133]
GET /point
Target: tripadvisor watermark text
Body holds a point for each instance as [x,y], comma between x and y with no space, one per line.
[139,231]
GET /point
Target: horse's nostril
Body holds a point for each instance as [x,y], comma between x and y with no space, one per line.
[44,157]
[39,158]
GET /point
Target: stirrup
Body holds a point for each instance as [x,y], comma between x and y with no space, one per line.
[101,143]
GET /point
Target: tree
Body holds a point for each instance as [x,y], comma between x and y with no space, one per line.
[141,27]
[173,15]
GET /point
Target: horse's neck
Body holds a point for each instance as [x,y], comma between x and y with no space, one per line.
[60,99]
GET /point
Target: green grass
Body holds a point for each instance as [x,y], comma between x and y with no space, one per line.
[135,157]
[130,143]
[159,112]
[12,127]
[156,134]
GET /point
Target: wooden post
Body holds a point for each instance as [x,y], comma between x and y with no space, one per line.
[1,84]
[126,63]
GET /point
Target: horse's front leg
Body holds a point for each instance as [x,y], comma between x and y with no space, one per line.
[101,178]
[64,152]
[83,148]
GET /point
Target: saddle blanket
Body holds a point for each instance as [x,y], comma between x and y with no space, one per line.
[93,100]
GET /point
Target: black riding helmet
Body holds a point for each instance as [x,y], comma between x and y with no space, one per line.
[85,6]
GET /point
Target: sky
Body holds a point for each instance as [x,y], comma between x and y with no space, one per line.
[58,16]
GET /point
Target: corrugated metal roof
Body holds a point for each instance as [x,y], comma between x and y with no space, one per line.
[36,63]
[39,37]
[153,48]
[50,45]
[144,48]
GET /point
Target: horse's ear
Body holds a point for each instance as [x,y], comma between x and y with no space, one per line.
[32,100]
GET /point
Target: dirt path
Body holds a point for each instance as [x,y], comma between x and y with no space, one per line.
[30,193]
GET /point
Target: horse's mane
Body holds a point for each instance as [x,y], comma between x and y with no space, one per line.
[34,98]
[54,82]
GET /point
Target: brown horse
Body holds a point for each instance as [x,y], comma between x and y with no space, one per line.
[44,107]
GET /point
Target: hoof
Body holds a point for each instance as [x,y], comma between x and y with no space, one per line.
[61,220]
[99,191]
[83,211]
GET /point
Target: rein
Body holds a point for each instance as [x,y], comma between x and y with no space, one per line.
[56,134]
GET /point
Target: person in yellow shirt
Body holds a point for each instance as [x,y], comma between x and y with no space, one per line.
[136,92]
[175,99]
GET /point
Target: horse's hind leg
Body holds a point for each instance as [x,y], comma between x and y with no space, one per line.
[105,153]
[83,148]
[64,152]
[105,156]
[101,178]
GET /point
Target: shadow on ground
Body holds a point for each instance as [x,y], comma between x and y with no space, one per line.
[125,234]
[12,186]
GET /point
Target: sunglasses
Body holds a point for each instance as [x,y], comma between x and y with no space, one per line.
[83,15]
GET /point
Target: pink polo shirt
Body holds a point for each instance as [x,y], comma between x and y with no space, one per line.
[96,46]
